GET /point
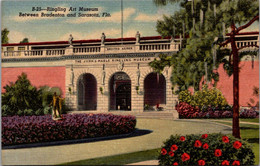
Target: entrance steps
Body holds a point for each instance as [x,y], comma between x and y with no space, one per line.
[170,115]
[149,115]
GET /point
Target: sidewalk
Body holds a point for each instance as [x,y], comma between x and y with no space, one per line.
[149,162]
[161,130]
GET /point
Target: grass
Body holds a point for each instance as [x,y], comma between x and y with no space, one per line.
[248,132]
[120,159]
[255,120]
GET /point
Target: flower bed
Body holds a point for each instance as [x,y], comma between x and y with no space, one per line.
[32,129]
[187,111]
[212,149]
[249,113]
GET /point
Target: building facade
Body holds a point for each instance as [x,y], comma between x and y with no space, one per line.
[103,74]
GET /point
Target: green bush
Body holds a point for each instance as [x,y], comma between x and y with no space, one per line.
[185,96]
[21,98]
[204,98]
[212,149]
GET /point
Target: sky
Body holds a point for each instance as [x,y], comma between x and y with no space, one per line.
[139,15]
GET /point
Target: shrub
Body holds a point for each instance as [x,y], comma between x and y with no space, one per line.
[148,107]
[212,149]
[185,96]
[204,98]
[186,111]
[23,99]
[248,113]
[32,129]
[20,96]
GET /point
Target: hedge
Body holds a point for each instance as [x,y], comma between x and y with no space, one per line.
[212,149]
[33,129]
[187,111]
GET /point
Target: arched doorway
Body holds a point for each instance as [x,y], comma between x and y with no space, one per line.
[120,92]
[87,92]
[154,89]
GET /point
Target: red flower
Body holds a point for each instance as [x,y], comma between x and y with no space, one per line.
[237,144]
[197,143]
[225,162]
[171,153]
[175,163]
[218,152]
[185,157]
[182,138]
[201,162]
[204,136]
[163,151]
[236,162]
[225,139]
[205,146]
[174,147]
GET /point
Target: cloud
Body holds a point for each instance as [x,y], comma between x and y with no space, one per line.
[76,36]
[115,17]
[17,37]
[147,18]
[110,33]
[131,33]
[31,16]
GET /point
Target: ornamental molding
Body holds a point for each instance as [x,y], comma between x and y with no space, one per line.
[73,57]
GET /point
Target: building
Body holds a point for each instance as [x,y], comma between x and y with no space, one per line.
[105,74]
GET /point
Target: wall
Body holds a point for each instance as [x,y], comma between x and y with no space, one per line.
[39,76]
[248,78]
[55,77]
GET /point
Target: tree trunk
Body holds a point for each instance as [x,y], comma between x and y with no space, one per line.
[236,129]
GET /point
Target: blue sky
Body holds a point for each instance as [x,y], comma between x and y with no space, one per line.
[139,15]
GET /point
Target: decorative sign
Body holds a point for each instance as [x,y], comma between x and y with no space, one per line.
[116,49]
[121,76]
[114,60]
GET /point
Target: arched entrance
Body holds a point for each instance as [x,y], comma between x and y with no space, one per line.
[120,92]
[154,89]
[87,92]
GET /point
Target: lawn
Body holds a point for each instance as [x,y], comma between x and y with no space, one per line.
[120,159]
[254,120]
[248,132]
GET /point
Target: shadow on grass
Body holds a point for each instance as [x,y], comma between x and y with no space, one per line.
[136,133]
[253,140]
[251,128]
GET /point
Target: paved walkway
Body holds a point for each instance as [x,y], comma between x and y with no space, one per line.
[161,130]
[149,162]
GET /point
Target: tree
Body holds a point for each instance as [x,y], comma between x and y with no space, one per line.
[25,40]
[206,22]
[5,33]
[21,95]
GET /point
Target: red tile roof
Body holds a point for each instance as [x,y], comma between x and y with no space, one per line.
[85,41]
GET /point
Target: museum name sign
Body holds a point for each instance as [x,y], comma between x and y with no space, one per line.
[114,60]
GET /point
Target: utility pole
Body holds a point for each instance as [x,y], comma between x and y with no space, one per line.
[122,21]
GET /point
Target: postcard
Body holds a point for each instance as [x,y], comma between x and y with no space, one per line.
[130,82]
